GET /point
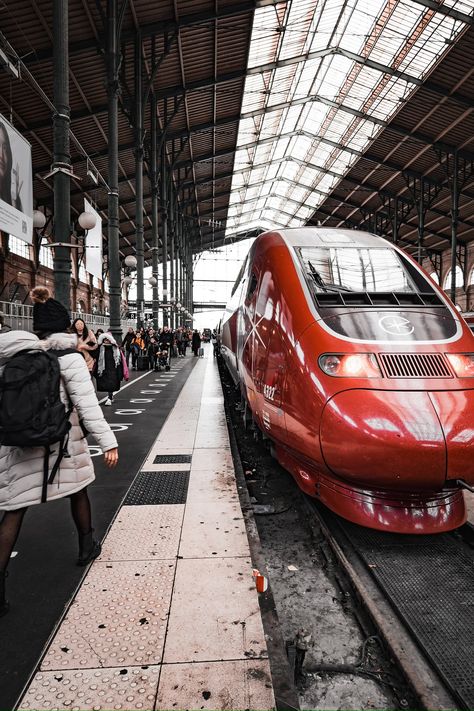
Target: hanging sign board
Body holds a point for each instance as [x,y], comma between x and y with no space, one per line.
[94,244]
[16,183]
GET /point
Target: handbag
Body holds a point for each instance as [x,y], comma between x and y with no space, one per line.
[126,374]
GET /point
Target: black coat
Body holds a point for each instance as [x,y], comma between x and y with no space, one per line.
[109,381]
[196,341]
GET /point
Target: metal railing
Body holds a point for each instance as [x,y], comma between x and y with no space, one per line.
[20,317]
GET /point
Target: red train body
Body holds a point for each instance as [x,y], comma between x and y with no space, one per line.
[359,369]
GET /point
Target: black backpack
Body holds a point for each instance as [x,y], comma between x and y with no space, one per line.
[31,411]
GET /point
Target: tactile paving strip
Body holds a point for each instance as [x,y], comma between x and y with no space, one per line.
[93,689]
[430,581]
[158,488]
[144,533]
[172,458]
[118,618]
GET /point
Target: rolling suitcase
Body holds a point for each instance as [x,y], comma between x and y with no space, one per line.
[143,362]
[201,352]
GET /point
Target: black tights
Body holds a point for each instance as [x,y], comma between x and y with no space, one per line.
[12,520]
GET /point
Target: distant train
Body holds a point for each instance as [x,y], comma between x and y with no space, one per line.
[361,372]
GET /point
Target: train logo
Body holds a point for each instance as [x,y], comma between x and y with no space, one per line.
[396,325]
[360,372]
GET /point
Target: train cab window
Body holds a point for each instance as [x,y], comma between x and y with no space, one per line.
[355,276]
[253,281]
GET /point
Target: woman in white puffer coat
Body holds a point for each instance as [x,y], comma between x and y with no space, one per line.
[21,469]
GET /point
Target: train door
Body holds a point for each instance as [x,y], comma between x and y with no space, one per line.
[249,329]
[268,365]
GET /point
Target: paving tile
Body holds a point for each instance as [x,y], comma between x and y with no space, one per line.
[206,486]
[220,685]
[212,459]
[215,613]
[214,437]
[118,618]
[150,466]
[213,529]
[89,689]
[144,533]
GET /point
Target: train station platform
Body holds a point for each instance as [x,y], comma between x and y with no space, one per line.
[168,617]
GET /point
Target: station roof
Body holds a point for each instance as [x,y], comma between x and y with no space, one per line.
[278,113]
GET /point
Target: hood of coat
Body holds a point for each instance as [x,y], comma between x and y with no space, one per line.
[60,341]
[12,342]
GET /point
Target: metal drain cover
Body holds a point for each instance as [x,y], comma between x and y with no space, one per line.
[172,459]
[158,488]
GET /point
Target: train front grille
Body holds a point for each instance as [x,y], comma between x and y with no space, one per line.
[414,365]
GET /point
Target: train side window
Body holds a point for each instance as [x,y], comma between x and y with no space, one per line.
[252,286]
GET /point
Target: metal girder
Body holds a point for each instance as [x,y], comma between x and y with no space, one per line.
[197,18]
[446,10]
[357,225]
[360,154]
[308,56]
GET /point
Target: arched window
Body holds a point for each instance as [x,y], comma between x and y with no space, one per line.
[459,279]
[435,277]
[83,274]
[471,278]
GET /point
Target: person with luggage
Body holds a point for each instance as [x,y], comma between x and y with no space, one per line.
[41,463]
[153,351]
[86,342]
[127,343]
[109,367]
[136,347]
[196,342]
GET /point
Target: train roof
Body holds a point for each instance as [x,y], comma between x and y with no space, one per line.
[330,237]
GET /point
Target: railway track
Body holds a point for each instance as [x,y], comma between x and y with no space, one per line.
[419,592]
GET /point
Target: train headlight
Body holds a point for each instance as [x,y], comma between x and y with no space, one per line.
[462,364]
[350,365]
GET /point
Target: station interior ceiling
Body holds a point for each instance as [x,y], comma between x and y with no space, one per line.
[338,113]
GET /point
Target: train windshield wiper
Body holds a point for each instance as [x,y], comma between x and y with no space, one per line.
[317,278]
[319,281]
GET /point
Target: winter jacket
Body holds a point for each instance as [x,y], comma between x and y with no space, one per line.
[21,469]
[109,381]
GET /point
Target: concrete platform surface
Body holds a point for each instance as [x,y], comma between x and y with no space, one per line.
[168,617]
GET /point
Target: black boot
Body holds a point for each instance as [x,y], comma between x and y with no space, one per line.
[89,548]
[4,606]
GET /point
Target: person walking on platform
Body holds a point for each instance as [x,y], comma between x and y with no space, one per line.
[152,353]
[86,342]
[136,348]
[127,343]
[109,368]
[33,474]
[196,342]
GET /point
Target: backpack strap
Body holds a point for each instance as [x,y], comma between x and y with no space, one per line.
[48,478]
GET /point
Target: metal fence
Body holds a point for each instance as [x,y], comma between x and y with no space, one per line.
[20,317]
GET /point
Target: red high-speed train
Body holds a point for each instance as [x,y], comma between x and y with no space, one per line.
[360,370]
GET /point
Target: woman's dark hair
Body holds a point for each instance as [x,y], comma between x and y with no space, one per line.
[85,332]
[6,185]
[99,332]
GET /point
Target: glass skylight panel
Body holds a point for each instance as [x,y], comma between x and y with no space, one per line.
[392,35]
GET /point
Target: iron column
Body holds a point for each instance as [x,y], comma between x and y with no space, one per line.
[454,222]
[139,178]
[164,233]
[154,208]
[113,201]
[61,156]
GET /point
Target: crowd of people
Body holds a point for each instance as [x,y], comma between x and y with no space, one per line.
[49,381]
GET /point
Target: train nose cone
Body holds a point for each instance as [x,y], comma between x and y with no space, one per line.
[455,410]
[384,439]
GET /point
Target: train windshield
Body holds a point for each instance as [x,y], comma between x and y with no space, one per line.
[349,269]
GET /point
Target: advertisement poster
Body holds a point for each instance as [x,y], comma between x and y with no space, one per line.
[94,244]
[16,183]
